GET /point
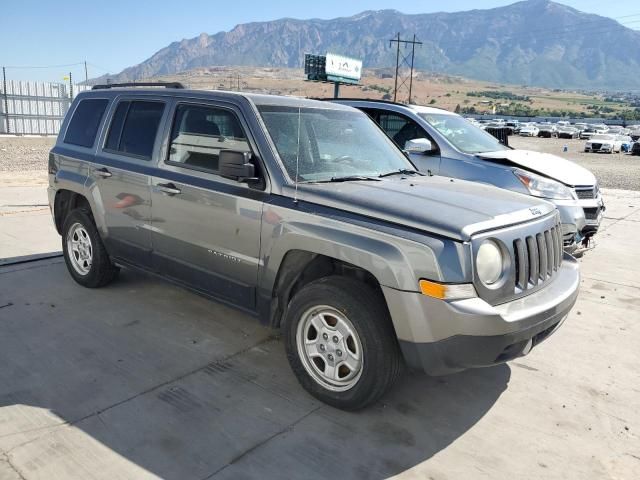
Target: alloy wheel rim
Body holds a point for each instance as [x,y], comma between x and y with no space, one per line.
[80,249]
[330,348]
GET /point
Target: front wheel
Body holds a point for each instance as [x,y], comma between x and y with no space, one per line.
[340,342]
[84,253]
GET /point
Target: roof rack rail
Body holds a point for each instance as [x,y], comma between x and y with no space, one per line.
[138,84]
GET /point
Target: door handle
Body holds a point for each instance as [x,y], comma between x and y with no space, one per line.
[103,172]
[169,188]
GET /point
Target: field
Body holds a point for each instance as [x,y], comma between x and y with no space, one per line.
[428,89]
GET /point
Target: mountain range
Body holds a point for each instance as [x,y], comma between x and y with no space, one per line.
[532,42]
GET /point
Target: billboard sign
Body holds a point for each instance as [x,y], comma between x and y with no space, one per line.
[343,67]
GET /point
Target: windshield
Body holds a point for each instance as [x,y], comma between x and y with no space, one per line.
[602,137]
[330,143]
[462,134]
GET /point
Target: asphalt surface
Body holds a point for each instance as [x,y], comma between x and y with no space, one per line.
[143,379]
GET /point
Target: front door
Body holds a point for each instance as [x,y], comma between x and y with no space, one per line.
[206,228]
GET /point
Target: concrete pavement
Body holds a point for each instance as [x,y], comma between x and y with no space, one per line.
[26,227]
[143,380]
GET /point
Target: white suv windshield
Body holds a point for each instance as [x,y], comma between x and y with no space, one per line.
[322,143]
[463,135]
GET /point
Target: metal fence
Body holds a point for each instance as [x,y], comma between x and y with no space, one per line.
[34,108]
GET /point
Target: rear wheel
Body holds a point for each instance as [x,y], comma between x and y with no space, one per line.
[84,253]
[340,342]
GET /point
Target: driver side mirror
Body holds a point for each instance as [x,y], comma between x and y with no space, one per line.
[419,145]
[237,166]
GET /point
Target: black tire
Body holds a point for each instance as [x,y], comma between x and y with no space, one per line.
[366,310]
[102,271]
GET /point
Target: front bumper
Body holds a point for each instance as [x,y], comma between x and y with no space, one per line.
[594,212]
[442,337]
[602,149]
[573,220]
[580,219]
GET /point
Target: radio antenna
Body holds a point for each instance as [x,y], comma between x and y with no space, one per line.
[295,195]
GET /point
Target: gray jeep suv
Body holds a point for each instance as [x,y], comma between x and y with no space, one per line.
[306,215]
[444,143]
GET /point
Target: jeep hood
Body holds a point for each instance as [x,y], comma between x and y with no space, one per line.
[546,164]
[438,205]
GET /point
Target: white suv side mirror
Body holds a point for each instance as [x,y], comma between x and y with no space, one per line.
[418,145]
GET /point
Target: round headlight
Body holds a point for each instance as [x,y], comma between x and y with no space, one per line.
[489,262]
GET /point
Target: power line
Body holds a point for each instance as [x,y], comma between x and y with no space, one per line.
[627,16]
[106,70]
[43,66]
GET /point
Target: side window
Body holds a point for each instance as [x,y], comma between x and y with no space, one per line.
[85,122]
[134,128]
[400,128]
[200,132]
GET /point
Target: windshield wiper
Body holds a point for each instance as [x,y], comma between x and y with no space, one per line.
[348,178]
[402,171]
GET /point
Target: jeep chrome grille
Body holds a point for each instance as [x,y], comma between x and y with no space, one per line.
[537,258]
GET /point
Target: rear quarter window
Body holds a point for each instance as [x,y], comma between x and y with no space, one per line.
[85,122]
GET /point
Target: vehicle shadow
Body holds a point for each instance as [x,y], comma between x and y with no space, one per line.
[419,418]
[144,378]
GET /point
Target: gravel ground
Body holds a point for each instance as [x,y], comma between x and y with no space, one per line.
[617,170]
[19,156]
[24,154]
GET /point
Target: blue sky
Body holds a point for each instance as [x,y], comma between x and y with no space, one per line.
[115,34]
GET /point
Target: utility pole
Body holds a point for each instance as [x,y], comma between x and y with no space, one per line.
[395,87]
[404,60]
[413,54]
[6,99]
[86,75]
[70,89]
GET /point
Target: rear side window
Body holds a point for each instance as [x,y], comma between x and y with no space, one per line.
[200,132]
[134,128]
[85,122]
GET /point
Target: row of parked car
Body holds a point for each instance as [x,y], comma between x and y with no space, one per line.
[419,241]
[600,138]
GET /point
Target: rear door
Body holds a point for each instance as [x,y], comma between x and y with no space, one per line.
[121,176]
[206,228]
[401,129]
